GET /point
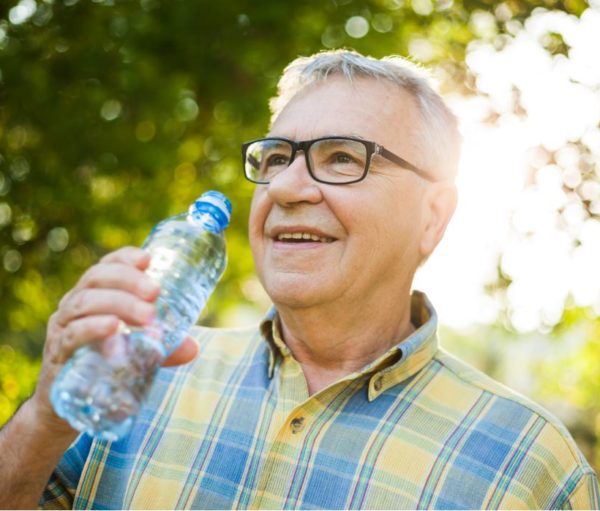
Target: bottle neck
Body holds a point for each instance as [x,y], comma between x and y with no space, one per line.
[206,221]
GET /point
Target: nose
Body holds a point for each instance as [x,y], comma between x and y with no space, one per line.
[294,184]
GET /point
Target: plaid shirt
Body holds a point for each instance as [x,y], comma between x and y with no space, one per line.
[414,429]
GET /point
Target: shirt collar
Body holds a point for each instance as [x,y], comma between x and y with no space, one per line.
[396,365]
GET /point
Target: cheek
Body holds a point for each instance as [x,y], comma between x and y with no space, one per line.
[256,220]
[388,224]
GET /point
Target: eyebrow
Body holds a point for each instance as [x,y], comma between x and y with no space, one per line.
[253,161]
[353,135]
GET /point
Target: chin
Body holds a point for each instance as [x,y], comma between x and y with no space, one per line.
[296,298]
[295,293]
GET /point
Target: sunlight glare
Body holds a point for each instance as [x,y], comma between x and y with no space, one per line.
[531,156]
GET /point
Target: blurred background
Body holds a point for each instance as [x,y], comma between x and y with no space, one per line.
[115,114]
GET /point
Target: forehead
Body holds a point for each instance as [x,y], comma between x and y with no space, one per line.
[376,110]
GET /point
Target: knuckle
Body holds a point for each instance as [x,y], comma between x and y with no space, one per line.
[53,327]
[77,333]
[60,317]
[64,300]
[90,277]
[67,343]
[53,357]
[68,336]
[51,347]
[78,302]
[53,319]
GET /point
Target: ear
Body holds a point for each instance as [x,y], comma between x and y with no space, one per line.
[439,204]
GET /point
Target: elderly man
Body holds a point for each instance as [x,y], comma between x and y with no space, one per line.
[341,398]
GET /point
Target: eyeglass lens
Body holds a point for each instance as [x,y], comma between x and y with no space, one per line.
[331,160]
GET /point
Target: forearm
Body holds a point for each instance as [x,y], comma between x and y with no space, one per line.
[29,451]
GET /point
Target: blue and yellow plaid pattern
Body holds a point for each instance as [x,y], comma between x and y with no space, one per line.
[415,429]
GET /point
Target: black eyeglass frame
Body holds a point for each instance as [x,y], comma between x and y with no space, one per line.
[304,145]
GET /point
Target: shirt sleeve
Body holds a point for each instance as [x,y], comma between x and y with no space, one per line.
[585,495]
[62,485]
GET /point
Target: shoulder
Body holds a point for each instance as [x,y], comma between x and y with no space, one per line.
[534,450]
[510,410]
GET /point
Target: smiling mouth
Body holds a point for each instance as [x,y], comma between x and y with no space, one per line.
[302,237]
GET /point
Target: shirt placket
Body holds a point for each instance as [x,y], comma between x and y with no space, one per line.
[295,410]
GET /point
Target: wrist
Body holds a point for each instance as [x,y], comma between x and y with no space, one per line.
[31,446]
[38,417]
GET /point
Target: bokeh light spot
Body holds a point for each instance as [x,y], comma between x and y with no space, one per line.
[12,261]
[103,188]
[357,27]
[211,150]
[4,184]
[422,7]
[421,49]
[145,131]
[333,37]
[21,12]
[393,5]
[186,110]
[185,173]
[483,24]
[111,109]
[382,22]
[24,229]
[19,169]
[57,239]
[5,214]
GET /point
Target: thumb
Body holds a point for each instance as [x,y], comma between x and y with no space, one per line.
[186,352]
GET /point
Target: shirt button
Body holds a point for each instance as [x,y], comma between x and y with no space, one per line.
[378,383]
[297,425]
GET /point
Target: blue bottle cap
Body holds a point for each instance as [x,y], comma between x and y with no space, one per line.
[215,204]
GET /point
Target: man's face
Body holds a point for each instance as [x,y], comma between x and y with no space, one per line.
[365,235]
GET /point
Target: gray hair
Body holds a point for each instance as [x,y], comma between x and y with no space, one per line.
[438,139]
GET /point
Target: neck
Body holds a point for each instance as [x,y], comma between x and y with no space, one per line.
[332,343]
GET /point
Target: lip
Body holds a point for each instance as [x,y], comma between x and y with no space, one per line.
[278,230]
[304,245]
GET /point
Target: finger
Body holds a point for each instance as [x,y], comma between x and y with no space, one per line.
[132,256]
[91,302]
[54,331]
[120,276]
[186,352]
[83,331]
[63,301]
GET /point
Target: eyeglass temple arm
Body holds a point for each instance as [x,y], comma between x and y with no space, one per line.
[382,151]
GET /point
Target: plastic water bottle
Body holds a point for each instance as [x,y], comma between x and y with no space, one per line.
[100,389]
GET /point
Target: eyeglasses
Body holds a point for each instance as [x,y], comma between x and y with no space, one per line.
[330,160]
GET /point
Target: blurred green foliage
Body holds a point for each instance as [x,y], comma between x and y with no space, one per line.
[18,374]
[116,114]
[573,377]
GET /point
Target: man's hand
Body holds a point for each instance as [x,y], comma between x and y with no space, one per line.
[114,290]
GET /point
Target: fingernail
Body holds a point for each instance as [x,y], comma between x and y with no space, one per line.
[140,257]
[149,288]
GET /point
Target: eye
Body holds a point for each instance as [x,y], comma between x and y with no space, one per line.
[341,157]
[274,160]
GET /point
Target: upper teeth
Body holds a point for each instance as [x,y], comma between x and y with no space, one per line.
[302,236]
